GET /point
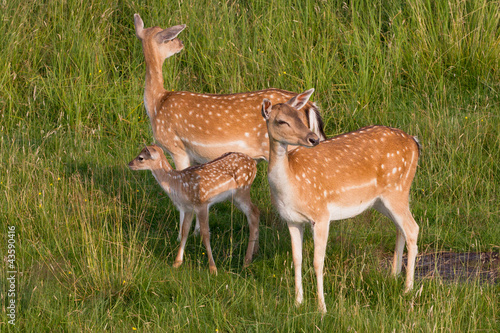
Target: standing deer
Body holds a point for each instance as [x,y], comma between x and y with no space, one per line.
[197,128]
[195,189]
[336,179]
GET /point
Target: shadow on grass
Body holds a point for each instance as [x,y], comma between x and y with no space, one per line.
[456,266]
[462,267]
[229,231]
[143,201]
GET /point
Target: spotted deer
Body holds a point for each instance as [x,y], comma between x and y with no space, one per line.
[195,189]
[336,179]
[197,128]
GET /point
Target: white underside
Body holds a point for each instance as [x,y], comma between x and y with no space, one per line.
[221,197]
[340,212]
[184,205]
[285,206]
[198,152]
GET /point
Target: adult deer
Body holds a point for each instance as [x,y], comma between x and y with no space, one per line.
[197,128]
[337,179]
[195,189]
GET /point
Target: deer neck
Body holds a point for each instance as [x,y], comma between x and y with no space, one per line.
[163,175]
[154,90]
[278,169]
[284,194]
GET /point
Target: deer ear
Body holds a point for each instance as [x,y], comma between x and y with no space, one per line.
[155,151]
[300,100]
[169,34]
[139,26]
[154,154]
[146,150]
[266,108]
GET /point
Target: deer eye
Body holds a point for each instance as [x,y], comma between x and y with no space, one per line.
[140,158]
[282,122]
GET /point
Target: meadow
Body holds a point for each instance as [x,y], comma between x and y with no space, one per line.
[95,242]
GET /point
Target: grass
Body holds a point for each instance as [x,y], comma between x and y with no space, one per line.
[95,242]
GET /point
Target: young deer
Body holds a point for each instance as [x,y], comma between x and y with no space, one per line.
[337,179]
[195,189]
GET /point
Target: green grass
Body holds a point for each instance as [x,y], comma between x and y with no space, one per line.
[95,242]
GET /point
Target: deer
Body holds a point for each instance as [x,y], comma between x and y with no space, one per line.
[194,189]
[336,179]
[195,128]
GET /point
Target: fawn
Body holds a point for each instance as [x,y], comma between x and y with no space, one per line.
[195,189]
[339,178]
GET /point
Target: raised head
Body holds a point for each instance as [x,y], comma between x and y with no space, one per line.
[158,42]
[286,124]
[150,158]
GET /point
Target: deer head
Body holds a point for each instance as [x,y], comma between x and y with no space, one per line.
[149,158]
[288,125]
[158,43]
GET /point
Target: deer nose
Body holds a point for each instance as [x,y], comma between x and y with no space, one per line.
[313,139]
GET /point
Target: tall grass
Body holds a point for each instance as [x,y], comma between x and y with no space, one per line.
[95,242]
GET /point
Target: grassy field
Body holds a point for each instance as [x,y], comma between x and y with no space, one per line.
[95,242]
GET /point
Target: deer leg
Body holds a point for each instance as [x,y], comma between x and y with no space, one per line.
[202,214]
[397,262]
[186,225]
[411,231]
[181,215]
[244,203]
[182,161]
[297,236]
[398,211]
[320,235]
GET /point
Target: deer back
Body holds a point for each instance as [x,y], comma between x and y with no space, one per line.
[206,125]
[202,183]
